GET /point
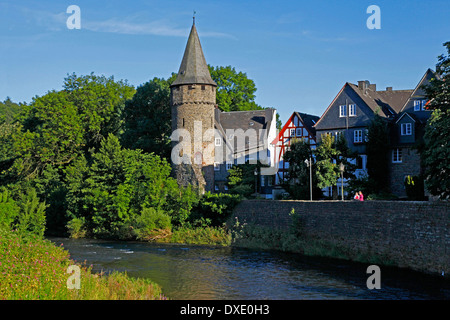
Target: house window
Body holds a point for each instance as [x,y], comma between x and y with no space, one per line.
[397,155]
[299,132]
[263,180]
[216,187]
[357,136]
[417,105]
[218,142]
[216,166]
[352,110]
[406,129]
[292,132]
[229,165]
[342,111]
[422,104]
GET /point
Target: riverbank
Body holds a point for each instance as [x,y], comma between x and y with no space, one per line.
[32,268]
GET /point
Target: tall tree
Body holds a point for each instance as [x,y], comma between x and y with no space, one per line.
[435,152]
[147,118]
[100,102]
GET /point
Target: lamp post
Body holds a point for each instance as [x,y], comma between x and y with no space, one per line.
[341,169]
[256,181]
[309,164]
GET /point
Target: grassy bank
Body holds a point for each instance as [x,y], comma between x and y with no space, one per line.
[32,268]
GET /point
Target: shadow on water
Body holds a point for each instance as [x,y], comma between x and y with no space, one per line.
[217,273]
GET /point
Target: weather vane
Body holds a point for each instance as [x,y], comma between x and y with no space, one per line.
[193,17]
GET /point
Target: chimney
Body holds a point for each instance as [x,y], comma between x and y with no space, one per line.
[373,87]
[363,85]
[389,89]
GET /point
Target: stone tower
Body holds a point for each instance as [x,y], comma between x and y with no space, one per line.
[193,100]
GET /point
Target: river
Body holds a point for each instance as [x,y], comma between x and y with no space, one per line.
[216,273]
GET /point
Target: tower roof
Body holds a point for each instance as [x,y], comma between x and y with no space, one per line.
[193,68]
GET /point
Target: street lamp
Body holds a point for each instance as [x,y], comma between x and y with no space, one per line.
[309,164]
[341,169]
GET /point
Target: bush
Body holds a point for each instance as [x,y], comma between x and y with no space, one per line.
[9,210]
[76,228]
[216,207]
[31,217]
[152,224]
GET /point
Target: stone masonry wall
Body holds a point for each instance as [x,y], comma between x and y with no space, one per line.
[413,235]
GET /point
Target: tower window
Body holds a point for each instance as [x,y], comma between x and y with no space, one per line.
[190,87]
[183,122]
[203,87]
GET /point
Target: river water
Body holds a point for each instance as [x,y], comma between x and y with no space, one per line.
[216,273]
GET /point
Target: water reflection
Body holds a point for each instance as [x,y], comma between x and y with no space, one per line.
[198,272]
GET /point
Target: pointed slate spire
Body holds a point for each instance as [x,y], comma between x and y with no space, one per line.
[193,68]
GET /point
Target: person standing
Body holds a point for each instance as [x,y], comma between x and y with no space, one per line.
[361,196]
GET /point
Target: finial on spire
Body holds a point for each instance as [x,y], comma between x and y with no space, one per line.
[193,17]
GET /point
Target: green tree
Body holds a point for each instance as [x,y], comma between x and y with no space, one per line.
[297,182]
[435,152]
[8,110]
[235,91]
[147,118]
[377,149]
[100,102]
[330,153]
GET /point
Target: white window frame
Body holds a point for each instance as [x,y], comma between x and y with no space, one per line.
[218,142]
[216,166]
[342,111]
[406,129]
[397,155]
[229,166]
[417,104]
[292,132]
[298,132]
[352,110]
[357,136]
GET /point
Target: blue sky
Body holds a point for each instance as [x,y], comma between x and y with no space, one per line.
[299,53]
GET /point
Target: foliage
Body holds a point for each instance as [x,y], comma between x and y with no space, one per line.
[414,187]
[377,149]
[77,227]
[206,235]
[216,207]
[23,212]
[241,179]
[152,224]
[119,184]
[9,210]
[329,154]
[99,102]
[235,91]
[147,118]
[9,110]
[435,153]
